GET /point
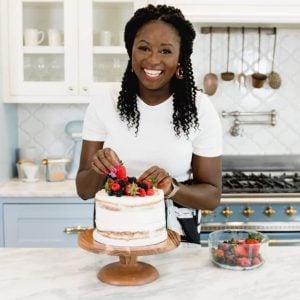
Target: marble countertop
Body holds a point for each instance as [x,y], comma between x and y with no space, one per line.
[185,273]
[41,188]
[16,188]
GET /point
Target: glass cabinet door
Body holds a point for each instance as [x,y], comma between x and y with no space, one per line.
[103,57]
[44,58]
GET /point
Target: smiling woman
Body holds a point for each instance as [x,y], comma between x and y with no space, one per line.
[158,124]
[155,57]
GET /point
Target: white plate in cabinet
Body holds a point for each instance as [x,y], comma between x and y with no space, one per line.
[45,225]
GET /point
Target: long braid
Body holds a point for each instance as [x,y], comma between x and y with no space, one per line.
[127,104]
[184,90]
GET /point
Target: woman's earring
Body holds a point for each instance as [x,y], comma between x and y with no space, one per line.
[179,73]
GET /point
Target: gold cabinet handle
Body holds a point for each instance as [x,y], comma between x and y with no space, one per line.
[269,211]
[76,229]
[206,212]
[290,211]
[226,212]
[248,212]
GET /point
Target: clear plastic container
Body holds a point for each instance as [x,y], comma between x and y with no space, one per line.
[55,168]
[238,249]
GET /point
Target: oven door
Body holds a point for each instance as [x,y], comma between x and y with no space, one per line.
[279,218]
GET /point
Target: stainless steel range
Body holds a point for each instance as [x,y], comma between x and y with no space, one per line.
[260,193]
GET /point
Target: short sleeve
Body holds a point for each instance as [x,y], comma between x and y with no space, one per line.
[93,127]
[208,141]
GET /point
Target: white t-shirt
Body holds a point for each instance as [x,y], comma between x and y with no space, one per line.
[155,142]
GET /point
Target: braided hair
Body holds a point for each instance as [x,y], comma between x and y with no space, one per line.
[184,90]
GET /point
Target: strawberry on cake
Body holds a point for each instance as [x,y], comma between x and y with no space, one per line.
[129,212]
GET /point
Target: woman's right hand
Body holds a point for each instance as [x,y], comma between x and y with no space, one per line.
[105,161]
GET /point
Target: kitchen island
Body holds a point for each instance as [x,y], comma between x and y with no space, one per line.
[185,273]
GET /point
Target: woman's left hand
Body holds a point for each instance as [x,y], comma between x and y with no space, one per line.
[161,176]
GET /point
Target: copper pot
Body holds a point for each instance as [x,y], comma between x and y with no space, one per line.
[274,77]
[210,83]
[258,79]
[210,80]
[227,76]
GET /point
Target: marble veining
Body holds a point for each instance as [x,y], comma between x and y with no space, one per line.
[185,273]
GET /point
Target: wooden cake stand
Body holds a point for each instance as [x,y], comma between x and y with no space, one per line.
[127,271]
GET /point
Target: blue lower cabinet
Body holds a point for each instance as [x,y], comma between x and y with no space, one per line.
[45,225]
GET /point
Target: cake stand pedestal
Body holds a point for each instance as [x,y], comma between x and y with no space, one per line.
[127,271]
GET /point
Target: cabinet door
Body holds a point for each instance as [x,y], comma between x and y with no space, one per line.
[103,57]
[43,43]
[45,225]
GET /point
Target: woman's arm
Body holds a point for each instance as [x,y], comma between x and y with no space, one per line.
[204,194]
[207,193]
[95,163]
[88,182]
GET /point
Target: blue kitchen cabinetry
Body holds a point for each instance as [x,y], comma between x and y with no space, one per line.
[43,222]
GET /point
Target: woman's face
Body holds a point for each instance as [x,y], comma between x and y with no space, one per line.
[155,56]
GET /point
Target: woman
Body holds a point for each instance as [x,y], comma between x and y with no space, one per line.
[158,125]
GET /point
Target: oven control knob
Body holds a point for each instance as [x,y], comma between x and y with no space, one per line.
[206,212]
[226,212]
[290,211]
[269,211]
[248,212]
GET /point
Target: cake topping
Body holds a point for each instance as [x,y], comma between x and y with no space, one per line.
[119,184]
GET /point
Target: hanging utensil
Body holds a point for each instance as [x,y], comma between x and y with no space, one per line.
[258,78]
[210,80]
[242,76]
[274,78]
[227,76]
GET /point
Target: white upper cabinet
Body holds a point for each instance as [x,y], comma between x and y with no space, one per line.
[65,51]
[40,65]
[103,57]
[62,51]
[273,12]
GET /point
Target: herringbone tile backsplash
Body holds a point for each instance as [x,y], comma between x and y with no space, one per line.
[43,125]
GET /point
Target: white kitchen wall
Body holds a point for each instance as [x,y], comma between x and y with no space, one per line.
[42,125]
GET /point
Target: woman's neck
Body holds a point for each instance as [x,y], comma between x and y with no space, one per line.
[154,97]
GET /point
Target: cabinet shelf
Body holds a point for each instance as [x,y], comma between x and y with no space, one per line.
[109,50]
[43,50]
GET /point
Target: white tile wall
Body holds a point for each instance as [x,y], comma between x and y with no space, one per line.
[42,125]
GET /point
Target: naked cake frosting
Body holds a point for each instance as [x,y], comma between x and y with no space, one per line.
[129,213]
